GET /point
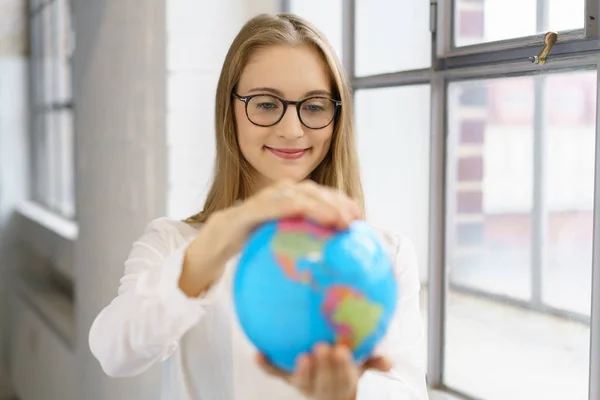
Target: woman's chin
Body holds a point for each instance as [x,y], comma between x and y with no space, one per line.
[295,176]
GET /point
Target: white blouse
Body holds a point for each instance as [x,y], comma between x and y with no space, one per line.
[204,352]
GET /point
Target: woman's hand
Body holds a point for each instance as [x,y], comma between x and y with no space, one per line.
[327,374]
[226,231]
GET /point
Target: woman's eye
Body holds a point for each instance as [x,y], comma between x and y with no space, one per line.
[314,108]
[266,106]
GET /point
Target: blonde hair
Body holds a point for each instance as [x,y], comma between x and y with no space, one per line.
[233,174]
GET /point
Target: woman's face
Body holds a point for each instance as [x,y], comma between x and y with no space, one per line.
[287,149]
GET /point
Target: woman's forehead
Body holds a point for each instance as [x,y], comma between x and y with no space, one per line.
[291,70]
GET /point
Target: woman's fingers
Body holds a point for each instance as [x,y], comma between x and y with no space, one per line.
[303,378]
[377,363]
[345,372]
[334,202]
[307,199]
[329,372]
[324,374]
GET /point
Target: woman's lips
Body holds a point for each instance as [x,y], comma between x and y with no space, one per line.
[288,154]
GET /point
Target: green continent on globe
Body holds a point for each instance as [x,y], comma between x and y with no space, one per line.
[352,316]
[296,239]
[297,244]
[289,247]
[359,315]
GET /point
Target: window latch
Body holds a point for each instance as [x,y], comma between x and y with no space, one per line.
[549,40]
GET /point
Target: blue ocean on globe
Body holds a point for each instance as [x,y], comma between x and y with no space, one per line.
[298,283]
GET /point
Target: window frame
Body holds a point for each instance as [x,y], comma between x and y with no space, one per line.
[575,49]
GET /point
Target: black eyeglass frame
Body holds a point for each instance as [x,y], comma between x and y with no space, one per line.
[298,104]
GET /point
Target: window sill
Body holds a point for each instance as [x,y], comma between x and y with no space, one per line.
[63,227]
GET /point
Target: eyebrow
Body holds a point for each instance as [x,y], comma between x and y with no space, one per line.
[280,94]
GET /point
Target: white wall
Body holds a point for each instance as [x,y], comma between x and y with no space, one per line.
[13,145]
[198,37]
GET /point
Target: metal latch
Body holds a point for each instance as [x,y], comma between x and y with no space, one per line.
[549,40]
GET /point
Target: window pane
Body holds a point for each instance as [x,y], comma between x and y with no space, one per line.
[490,185]
[49,54]
[51,132]
[392,35]
[326,16]
[519,216]
[66,163]
[570,125]
[479,21]
[63,39]
[393,143]
[37,62]
[39,159]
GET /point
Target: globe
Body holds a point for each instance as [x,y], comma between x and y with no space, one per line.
[298,283]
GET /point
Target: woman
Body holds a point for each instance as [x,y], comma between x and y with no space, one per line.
[285,147]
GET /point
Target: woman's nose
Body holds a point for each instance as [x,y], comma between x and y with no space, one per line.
[290,126]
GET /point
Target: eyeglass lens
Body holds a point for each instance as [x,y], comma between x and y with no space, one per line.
[316,112]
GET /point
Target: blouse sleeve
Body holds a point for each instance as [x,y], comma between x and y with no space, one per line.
[403,343]
[144,322]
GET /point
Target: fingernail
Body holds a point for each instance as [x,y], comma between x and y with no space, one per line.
[320,348]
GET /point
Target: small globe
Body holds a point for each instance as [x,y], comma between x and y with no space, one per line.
[298,283]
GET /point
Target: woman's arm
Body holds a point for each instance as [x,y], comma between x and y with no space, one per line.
[403,343]
[143,324]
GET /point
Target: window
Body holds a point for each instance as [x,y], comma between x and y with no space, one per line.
[480,21]
[388,30]
[491,159]
[521,185]
[52,140]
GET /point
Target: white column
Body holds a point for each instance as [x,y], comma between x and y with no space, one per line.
[118,81]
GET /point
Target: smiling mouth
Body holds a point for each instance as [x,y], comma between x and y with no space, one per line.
[288,154]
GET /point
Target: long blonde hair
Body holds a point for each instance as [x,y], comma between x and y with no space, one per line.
[233,174]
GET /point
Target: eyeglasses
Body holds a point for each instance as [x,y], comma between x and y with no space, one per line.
[267,110]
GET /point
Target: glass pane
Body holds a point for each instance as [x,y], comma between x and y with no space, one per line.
[570,128]
[63,50]
[520,263]
[393,143]
[39,159]
[49,54]
[392,35]
[51,133]
[490,185]
[325,15]
[37,59]
[479,21]
[66,163]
